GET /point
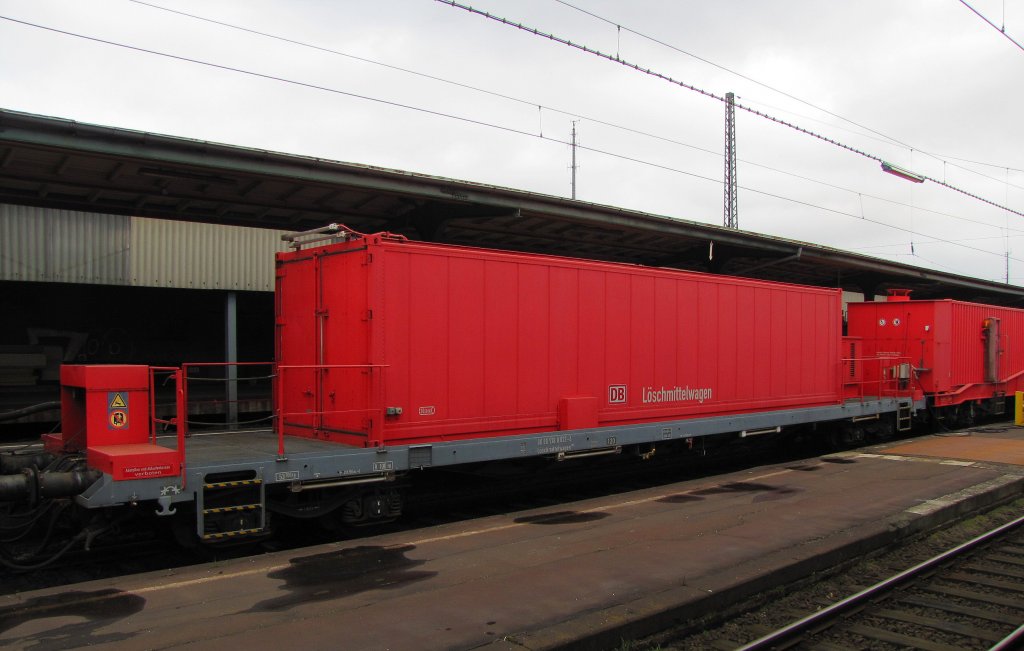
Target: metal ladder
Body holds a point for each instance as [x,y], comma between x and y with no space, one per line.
[904,416]
[231,509]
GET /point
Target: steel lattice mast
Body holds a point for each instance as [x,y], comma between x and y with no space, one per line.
[732,218]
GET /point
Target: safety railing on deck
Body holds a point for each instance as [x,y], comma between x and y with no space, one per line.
[227,373]
[362,397]
[180,420]
[181,376]
[879,376]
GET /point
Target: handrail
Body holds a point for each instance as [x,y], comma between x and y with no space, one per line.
[153,370]
[190,365]
[180,420]
[885,386]
[181,414]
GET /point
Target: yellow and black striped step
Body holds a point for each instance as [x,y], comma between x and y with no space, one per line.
[228,509]
[231,534]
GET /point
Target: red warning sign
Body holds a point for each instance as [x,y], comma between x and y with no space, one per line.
[119,419]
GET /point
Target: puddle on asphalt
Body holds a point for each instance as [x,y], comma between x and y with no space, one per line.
[736,487]
[838,460]
[343,573]
[804,468]
[98,608]
[562,517]
[768,492]
[782,492]
[680,498]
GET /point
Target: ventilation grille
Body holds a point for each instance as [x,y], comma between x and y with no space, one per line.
[420,456]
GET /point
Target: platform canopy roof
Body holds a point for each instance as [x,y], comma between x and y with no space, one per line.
[57,163]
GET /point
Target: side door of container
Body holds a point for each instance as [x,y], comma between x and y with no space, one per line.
[296,334]
[344,316]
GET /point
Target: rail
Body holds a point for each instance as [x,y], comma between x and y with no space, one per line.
[369,400]
[820,618]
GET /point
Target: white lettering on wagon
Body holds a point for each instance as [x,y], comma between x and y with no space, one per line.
[557,443]
[617,394]
[650,395]
[147,471]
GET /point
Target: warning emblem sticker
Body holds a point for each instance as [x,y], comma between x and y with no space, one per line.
[118,419]
[117,410]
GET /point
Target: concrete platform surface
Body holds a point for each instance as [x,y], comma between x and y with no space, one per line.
[580,575]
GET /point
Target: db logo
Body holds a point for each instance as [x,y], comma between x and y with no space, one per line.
[617,393]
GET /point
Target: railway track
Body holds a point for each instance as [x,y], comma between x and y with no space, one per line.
[968,596]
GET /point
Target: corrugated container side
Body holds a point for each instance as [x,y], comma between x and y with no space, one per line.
[47,245]
[202,256]
[968,349]
[481,343]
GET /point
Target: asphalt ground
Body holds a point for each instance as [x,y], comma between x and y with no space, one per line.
[581,575]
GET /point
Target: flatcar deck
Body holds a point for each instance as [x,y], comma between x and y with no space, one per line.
[215,449]
[313,460]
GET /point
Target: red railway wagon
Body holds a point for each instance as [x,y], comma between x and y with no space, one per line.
[383,341]
[962,354]
[395,356]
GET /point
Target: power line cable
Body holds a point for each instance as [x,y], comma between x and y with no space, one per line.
[531,103]
[929,241]
[470,121]
[725,69]
[706,93]
[878,198]
[997,166]
[960,167]
[1000,30]
[887,138]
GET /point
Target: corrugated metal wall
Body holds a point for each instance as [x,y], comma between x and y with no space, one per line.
[46,245]
[202,256]
[63,246]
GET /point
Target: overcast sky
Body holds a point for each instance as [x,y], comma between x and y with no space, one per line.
[935,85]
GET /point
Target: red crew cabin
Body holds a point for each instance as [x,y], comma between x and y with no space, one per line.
[961,353]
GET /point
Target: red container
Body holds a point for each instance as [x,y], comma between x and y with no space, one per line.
[960,351]
[385,341]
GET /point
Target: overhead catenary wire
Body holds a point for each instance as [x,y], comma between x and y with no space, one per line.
[468,120]
[870,247]
[1000,30]
[542,107]
[886,138]
[944,162]
[709,94]
[725,69]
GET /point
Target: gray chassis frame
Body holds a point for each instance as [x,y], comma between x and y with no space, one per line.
[314,464]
